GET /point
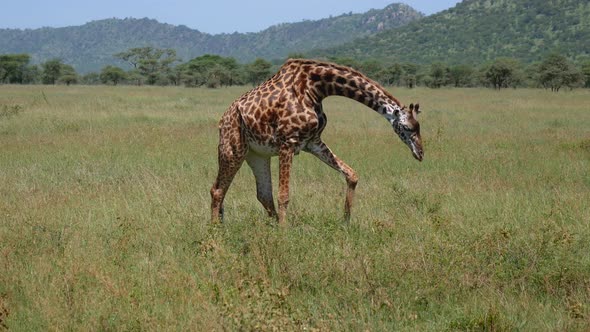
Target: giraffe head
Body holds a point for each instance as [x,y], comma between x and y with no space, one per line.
[405,124]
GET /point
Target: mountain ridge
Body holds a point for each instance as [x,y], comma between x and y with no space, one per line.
[476,31]
[91,46]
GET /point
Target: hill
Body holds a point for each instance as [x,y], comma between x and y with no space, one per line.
[90,47]
[475,31]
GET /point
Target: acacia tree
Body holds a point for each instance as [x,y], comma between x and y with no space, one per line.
[348,62]
[31,74]
[410,75]
[503,73]
[372,68]
[555,71]
[13,67]
[151,63]
[51,71]
[112,74]
[91,78]
[68,75]
[54,71]
[461,75]
[258,71]
[174,76]
[439,74]
[212,70]
[391,75]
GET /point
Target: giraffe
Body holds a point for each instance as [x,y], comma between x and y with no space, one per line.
[284,116]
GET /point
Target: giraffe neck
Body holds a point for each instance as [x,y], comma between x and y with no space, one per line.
[325,79]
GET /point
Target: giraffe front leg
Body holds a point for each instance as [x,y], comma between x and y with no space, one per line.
[351,181]
[285,162]
[321,150]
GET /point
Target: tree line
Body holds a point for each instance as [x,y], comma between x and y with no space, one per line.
[554,72]
[148,66]
[153,66]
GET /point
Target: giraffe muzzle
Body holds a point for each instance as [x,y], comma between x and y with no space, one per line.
[417,152]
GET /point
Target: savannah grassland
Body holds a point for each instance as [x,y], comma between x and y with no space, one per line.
[104,217]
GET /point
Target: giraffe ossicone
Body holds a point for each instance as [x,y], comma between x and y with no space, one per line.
[284,116]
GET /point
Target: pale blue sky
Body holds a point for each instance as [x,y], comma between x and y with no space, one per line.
[212,16]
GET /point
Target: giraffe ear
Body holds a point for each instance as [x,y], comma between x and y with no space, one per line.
[415,109]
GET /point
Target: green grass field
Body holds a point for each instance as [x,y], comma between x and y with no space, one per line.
[104,217]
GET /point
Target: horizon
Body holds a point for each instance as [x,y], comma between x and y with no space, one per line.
[217,18]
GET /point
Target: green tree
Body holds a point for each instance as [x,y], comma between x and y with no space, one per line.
[13,67]
[461,75]
[556,71]
[346,61]
[175,75]
[503,73]
[296,55]
[372,68]
[91,78]
[135,76]
[51,71]
[157,64]
[68,75]
[217,76]
[212,70]
[438,74]
[258,71]
[31,74]
[410,75]
[392,74]
[112,74]
[151,63]
[134,56]
[586,73]
[531,75]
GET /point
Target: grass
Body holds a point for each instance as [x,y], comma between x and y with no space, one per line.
[104,217]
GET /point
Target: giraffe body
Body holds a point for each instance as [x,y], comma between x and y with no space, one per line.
[283,116]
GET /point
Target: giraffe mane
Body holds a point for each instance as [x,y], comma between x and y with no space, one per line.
[334,66]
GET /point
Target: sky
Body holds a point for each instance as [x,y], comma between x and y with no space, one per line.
[211,16]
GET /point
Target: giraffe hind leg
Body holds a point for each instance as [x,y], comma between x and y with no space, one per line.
[260,166]
[231,154]
[226,174]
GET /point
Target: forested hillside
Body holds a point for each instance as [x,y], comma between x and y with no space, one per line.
[91,46]
[476,31]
